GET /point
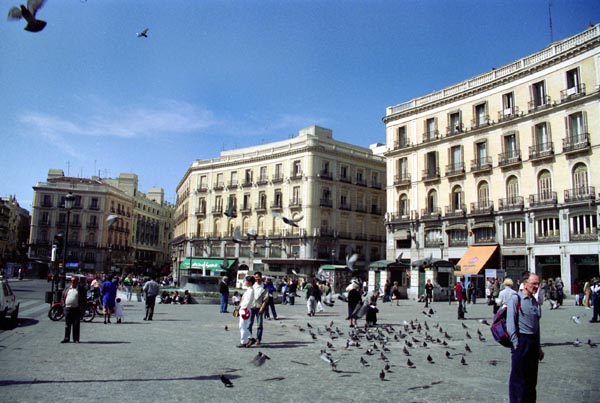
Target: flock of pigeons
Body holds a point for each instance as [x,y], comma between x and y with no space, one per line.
[33,24]
[386,347]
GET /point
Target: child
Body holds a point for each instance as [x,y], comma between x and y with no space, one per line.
[119,311]
[235,299]
[372,313]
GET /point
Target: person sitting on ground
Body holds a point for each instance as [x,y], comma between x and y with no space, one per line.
[176,298]
[165,298]
[187,298]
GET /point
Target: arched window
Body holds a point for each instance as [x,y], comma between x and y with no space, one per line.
[403,205]
[245,225]
[457,199]
[216,225]
[483,194]
[432,201]
[545,185]
[512,189]
[261,226]
[580,178]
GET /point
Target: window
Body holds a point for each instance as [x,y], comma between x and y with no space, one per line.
[584,224]
[325,167]
[481,116]
[234,179]
[430,129]
[514,230]
[576,127]
[456,159]
[508,104]
[512,189]
[402,169]
[580,177]
[278,172]
[47,201]
[247,202]
[404,205]
[261,226]
[262,200]
[481,150]
[232,202]
[203,182]
[431,170]
[573,83]
[218,203]
[296,195]
[457,199]
[45,218]
[547,227]
[542,136]
[455,124]
[431,202]
[344,201]
[433,237]
[538,96]
[344,172]
[483,194]
[263,174]
[278,199]
[360,179]
[402,140]
[220,180]
[510,146]
[248,177]
[297,168]
[545,185]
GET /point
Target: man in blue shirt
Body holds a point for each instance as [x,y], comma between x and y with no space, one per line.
[523,324]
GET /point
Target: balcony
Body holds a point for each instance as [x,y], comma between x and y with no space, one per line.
[454,130]
[431,136]
[260,207]
[94,207]
[456,169]
[511,203]
[361,208]
[508,114]
[376,210]
[542,199]
[361,182]
[576,143]
[539,104]
[482,208]
[572,93]
[295,203]
[296,175]
[246,209]
[514,241]
[326,203]
[46,204]
[219,186]
[430,174]
[345,206]
[548,237]
[481,164]
[402,180]
[277,178]
[590,235]
[345,179]
[541,151]
[433,213]
[399,144]
[479,122]
[201,212]
[456,211]
[510,158]
[247,183]
[581,194]
[325,174]
[376,185]
[262,180]
[276,206]
[203,188]
[91,225]
[218,210]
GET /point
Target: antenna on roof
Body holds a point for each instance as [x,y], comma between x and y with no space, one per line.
[550,20]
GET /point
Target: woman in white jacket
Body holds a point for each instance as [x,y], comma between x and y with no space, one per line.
[245,304]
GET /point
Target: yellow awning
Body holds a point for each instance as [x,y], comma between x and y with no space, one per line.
[474,259]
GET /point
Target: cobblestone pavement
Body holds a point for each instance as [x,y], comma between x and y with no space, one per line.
[181,354]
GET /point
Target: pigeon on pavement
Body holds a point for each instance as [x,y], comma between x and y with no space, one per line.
[226,382]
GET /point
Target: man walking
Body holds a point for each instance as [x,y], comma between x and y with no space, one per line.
[224,294]
[73,301]
[151,291]
[523,325]
[258,307]
[595,290]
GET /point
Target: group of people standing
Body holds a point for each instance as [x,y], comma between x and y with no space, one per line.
[251,310]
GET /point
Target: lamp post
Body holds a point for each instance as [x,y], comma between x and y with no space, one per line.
[180,249]
[332,256]
[69,200]
[441,249]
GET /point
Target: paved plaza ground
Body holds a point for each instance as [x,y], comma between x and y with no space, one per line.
[181,354]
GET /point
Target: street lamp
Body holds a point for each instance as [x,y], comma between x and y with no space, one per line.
[441,249]
[69,201]
[332,256]
[180,249]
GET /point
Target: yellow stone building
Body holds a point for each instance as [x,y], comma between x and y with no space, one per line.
[499,169]
[335,190]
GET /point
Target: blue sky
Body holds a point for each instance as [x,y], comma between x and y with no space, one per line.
[87,96]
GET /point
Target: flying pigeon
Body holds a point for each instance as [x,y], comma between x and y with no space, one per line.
[289,221]
[576,320]
[143,34]
[111,219]
[237,235]
[28,13]
[230,212]
[350,260]
[260,359]
[226,382]
[251,233]
[325,356]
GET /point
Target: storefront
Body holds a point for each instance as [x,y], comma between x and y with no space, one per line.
[384,270]
[584,267]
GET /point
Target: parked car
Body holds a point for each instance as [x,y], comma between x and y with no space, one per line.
[9,307]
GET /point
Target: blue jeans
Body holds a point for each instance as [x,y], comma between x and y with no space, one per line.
[223,299]
[255,315]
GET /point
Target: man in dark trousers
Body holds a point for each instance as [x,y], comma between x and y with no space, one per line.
[523,325]
[73,301]
[224,294]
[151,291]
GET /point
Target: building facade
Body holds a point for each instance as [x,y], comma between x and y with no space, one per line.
[335,190]
[502,159]
[14,233]
[93,244]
